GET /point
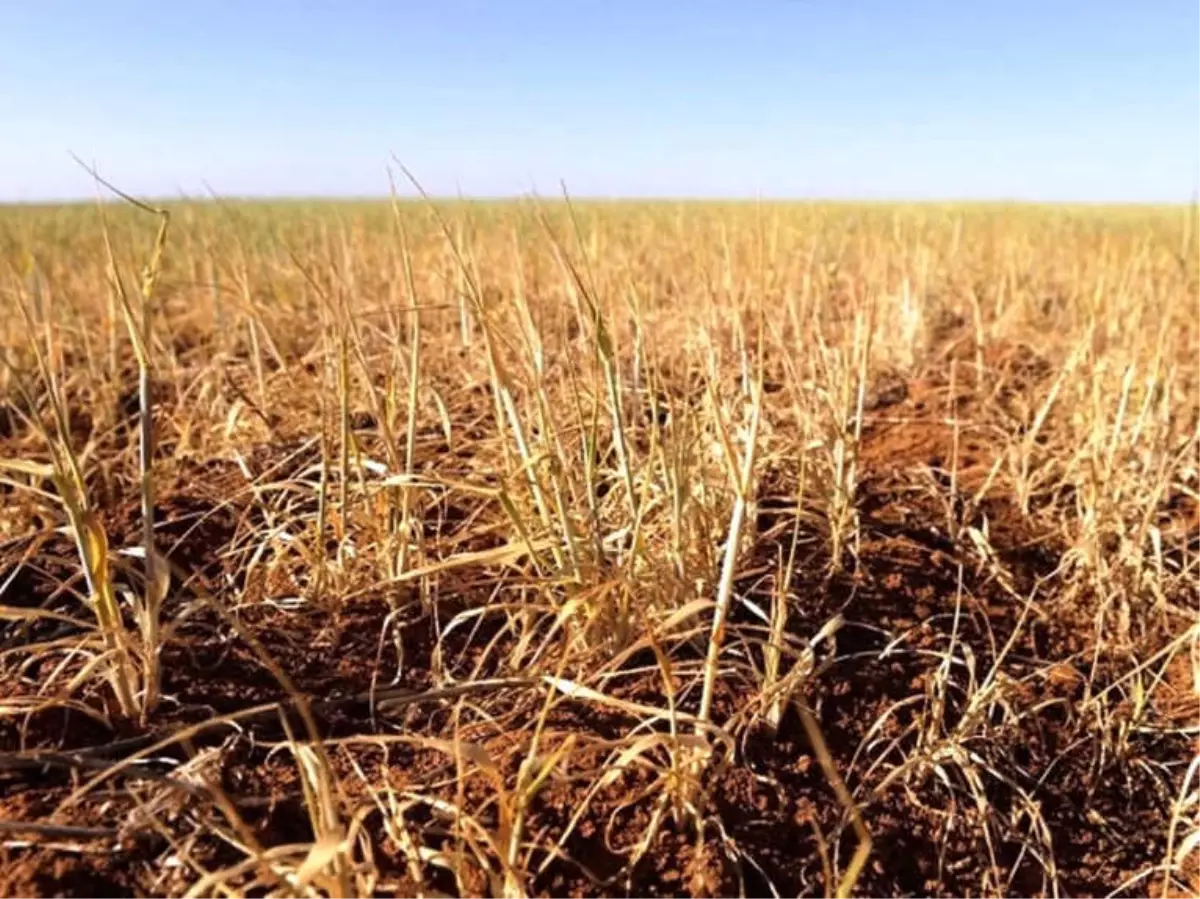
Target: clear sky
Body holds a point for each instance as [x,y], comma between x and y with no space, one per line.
[1025,99]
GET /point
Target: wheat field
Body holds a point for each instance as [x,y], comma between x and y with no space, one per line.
[578,548]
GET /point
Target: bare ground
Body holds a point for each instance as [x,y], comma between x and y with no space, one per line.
[1061,812]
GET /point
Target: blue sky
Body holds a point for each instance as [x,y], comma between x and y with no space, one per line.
[840,98]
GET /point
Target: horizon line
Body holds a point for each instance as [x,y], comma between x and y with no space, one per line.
[410,197]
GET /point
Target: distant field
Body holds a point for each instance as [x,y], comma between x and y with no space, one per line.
[648,548]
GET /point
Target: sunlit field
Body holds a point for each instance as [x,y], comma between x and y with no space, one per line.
[537,548]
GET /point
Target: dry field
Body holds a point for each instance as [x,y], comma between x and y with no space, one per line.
[664,549]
